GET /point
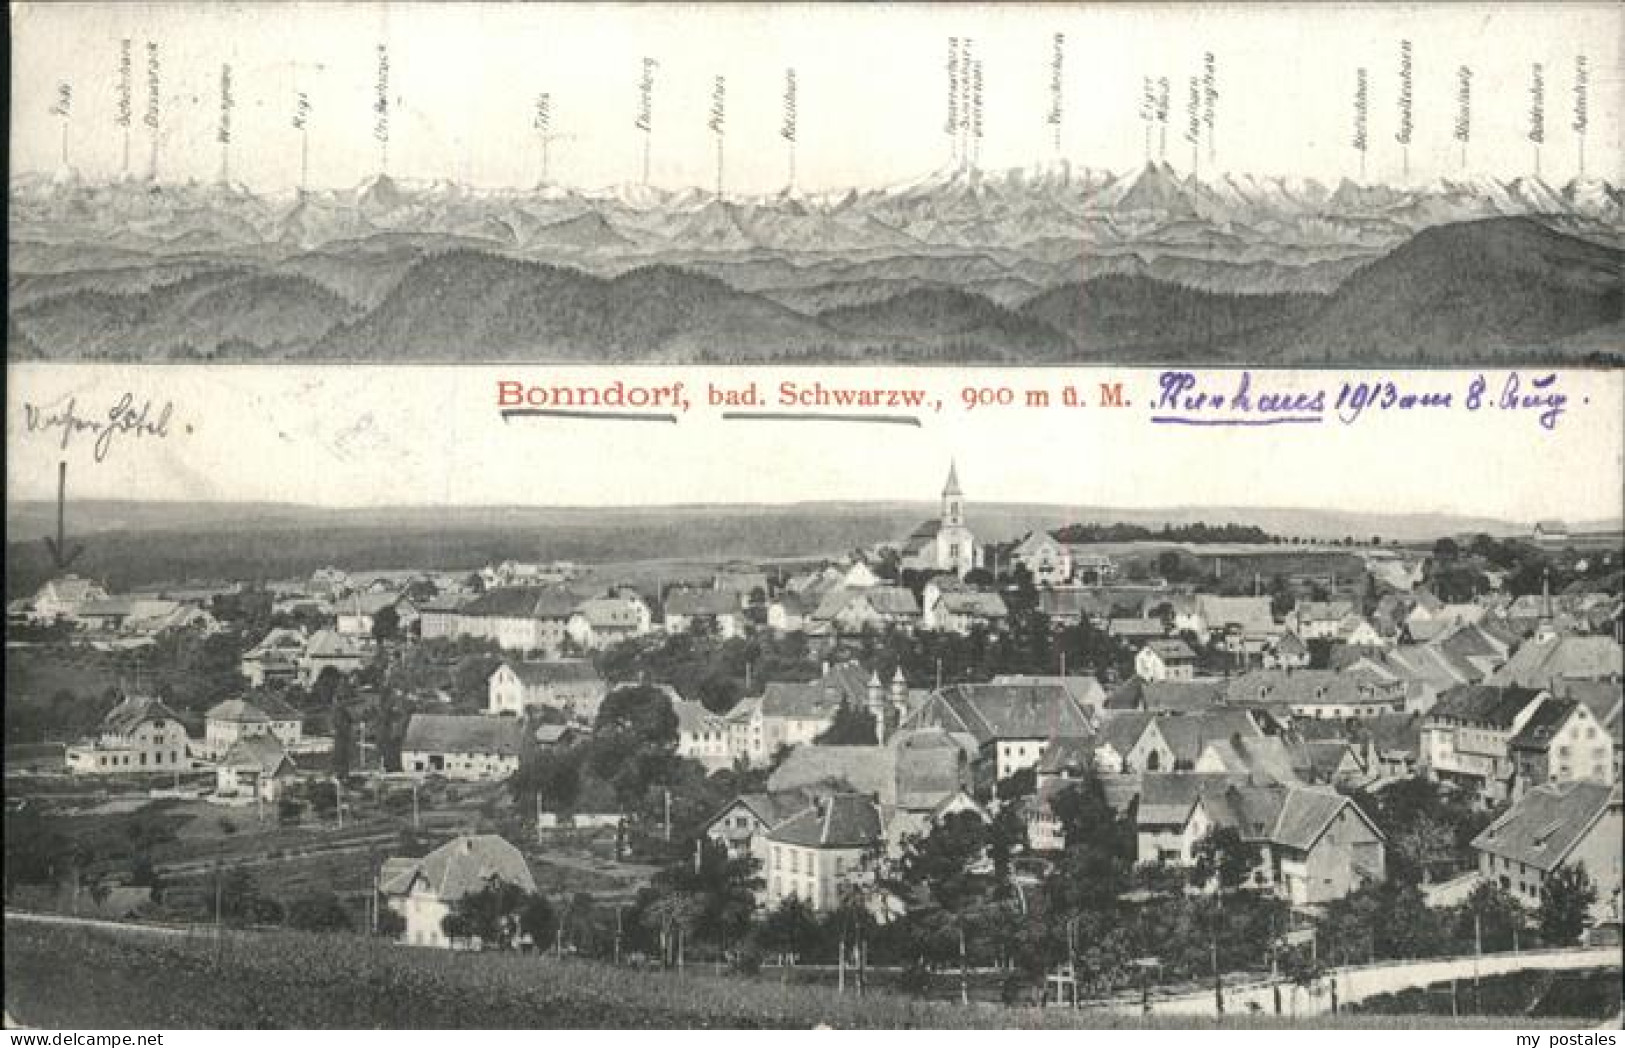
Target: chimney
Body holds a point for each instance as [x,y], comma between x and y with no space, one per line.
[468,846]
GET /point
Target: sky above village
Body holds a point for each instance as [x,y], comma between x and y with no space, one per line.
[871,97]
[380,436]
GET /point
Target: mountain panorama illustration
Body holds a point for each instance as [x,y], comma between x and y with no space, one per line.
[1053,265]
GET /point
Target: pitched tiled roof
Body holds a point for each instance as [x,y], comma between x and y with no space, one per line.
[820,698]
[865,769]
[461,866]
[843,820]
[262,753]
[1086,691]
[1008,711]
[1547,720]
[1601,697]
[1323,610]
[133,711]
[1165,696]
[691,603]
[237,711]
[1170,650]
[975,604]
[523,602]
[1539,663]
[1483,704]
[892,600]
[1546,823]
[559,671]
[610,613]
[1252,614]
[1187,735]
[331,644]
[1167,799]
[1133,628]
[1305,687]
[1122,730]
[449,733]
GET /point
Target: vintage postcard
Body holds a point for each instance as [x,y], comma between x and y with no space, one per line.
[535,517]
[1423,184]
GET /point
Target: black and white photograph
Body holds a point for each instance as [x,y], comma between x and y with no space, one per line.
[1282,184]
[368,699]
[582,517]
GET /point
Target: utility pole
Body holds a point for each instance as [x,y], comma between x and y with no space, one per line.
[338,800]
[617,935]
[1218,981]
[667,795]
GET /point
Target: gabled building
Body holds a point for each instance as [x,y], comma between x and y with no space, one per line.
[944,544]
[61,598]
[520,618]
[329,649]
[1560,742]
[569,686]
[1544,661]
[140,734]
[1318,619]
[1317,693]
[850,612]
[1047,560]
[1288,652]
[793,713]
[1559,824]
[1164,660]
[715,611]
[703,736]
[961,611]
[277,660]
[424,891]
[456,747]
[256,766]
[600,622]
[1316,845]
[228,722]
[1011,723]
[1467,734]
[742,826]
[811,855]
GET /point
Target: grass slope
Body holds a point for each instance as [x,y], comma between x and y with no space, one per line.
[61,977]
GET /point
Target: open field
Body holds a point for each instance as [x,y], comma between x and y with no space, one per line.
[132,543]
[94,978]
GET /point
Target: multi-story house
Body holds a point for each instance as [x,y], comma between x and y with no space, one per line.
[834,841]
[140,734]
[717,611]
[1574,823]
[235,719]
[1560,742]
[469,748]
[570,686]
[424,891]
[1466,736]
[1011,723]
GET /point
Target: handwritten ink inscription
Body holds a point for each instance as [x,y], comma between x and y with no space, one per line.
[123,420]
[1187,399]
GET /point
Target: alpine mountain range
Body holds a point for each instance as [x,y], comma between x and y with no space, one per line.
[1053,264]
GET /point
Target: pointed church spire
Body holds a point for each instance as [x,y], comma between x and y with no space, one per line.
[952,487]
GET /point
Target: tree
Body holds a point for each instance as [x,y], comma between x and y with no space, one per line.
[852,726]
[1445,551]
[537,920]
[343,740]
[634,741]
[1497,915]
[493,913]
[790,930]
[1224,856]
[386,624]
[1566,898]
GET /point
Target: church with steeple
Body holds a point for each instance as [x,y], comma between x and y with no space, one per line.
[944,544]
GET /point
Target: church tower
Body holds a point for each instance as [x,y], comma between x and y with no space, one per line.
[953,500]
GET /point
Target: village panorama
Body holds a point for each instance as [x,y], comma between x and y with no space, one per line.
[1097,775]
